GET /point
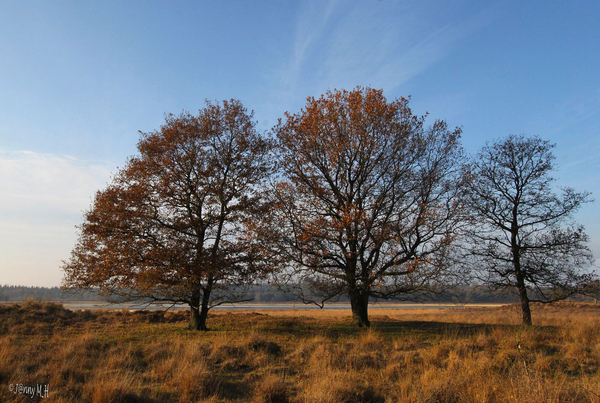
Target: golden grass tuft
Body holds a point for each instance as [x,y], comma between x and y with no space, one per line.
[271,388]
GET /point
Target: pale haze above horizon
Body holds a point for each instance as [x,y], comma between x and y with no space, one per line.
[79,80]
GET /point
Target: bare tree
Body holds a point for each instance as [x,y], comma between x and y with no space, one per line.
[173,224]
[523,236]
[367,201]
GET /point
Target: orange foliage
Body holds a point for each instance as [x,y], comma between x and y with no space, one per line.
[364,180]
[176,222]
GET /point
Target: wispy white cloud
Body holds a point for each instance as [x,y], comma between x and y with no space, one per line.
[581,109]
[61,183]
[574,124]
[311,25]
[343,44]
[42,197]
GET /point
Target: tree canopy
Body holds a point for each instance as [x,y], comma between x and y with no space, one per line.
[172,225]
[353,196]
[523,235]
[368,200]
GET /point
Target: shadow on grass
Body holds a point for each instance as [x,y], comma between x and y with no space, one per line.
[428,327]
[434,328]
[386,328]
[31,318]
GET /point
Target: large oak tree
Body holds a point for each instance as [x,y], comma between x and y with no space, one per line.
[367,201]
[523,237]
[172,224]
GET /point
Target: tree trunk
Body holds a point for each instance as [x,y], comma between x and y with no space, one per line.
[524,300]
[359,302]
[195,322]
[198,314]
[204,308]
[198,318]
[516,254]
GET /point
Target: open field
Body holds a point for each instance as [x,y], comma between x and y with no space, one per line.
[476,354]
[80,305]
[253,306]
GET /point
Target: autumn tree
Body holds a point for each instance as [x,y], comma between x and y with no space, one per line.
[367,199]
[172,224]
[523,236]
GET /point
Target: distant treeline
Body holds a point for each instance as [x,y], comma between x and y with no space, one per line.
[474,294]
[21,293]
[264,293]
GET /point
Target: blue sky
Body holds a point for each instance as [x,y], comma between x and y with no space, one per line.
[79,79]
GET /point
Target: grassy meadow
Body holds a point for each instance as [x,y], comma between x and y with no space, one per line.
[421,355]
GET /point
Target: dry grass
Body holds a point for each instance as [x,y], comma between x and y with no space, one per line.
[421,355]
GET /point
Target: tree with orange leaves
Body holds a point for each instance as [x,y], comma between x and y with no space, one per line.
[172,225]
[369,199]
